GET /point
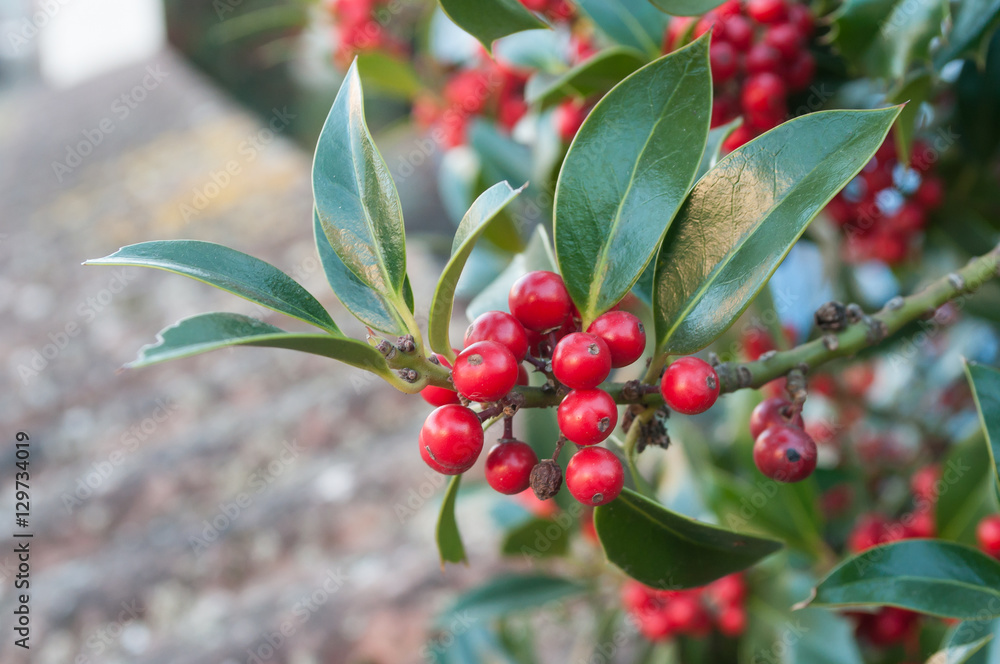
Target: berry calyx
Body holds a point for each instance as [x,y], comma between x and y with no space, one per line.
[508,466]
[451,439]
[439,396]
[773,410]
[501,327]
[540,301]
[587,417]
[690,386]
[624,335]
[485,371]
[987,534]
[581,360]
[594,476]
[784,453]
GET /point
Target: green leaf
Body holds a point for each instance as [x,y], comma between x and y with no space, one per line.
[744,215]
[536,538]
[713,147]
[968,642]
[985,383]
[449,540]
[390,75]
[511,593]
[634,23]
[230,270]
[627,173]
[669,551]
[595,75]
[686,7]
[964,496]
[970,21]
[916,92]
[489,20]
[483,211]
[817,636]
[938,578]
[357,203]
[212,331]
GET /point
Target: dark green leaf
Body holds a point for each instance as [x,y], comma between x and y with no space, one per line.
[388,74]
[627,173]
[484,210]
[915,91]
[537,50]
[686,7]
[964,496]
[230,270]
[595,75]
[634,23]
[745,214]
[883,38]
[970,21]
[212,331]
[985,383]
[666,550]
[536,538]
[356,200]
[968,642]
[938,578]
[713,147]
[818,636]
[510,593]
[489,20]
[449,540]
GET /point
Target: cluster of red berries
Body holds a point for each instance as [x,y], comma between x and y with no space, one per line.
[782,450]
[759,56]
[662,614]
[988,535]
[883,211]
[357,29]
[554,10]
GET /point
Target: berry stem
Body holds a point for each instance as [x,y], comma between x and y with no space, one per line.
[631,451]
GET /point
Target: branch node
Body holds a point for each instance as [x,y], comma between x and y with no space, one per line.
[767,355]
[956,281]
[406,343]
[895,303]
[409,375]
[831,317]
[387,349]
[632,391]
[854,313]
[713,359]
[654,432]
[831,342]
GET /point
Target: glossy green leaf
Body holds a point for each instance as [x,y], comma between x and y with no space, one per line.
[389,74]
[489,20]
[964,496]
[536,256]
[686,7]
[230,270]
[449,540]
[510,593]
[883,38]
[969,642]
[537,50]
[370,307]
[985,383]
[666,550]
[212,331]
[914,93]
[595,75]
[356,200]
[483,211]
[634,23]
[970,21]
[928,576]
[627,173]
[536,538]
[713,147]
[744,215]
[817,636]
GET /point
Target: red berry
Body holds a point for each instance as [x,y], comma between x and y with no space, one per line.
[439,396]
[594,476]
[675,30]
[889,626]
[762,58]
[581,360]
[502,328]
[869,531]
[773,410]
[800,71]
[728,591]
[923,483]
[786,39]
[930,193]
[739,33]
[451,439]
[763,94]
[988,535]
[522,375]
[785,454]
[723,110]
[508,466]
[485,371]
[733,621]
[624,335]
[540,301]
[800,16]
[569,117]
[767,11]
[690,386]
[587,417]
[722,56]
[728,9]
[921,523]
[740,137]
[685,614]
[710,21]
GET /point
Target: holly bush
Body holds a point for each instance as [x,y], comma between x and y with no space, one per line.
[754,470]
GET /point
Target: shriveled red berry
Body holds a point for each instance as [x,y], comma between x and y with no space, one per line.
[773,410]
[501,327]
[767,11]
[624,335]
[587,417]
[988,535]
[724,62]
[595,476]
[784,453]
[763,94]
[451,439]
[485,371]
[690,386]
[581,360]
[439,396]
[508,466]
[540,301]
